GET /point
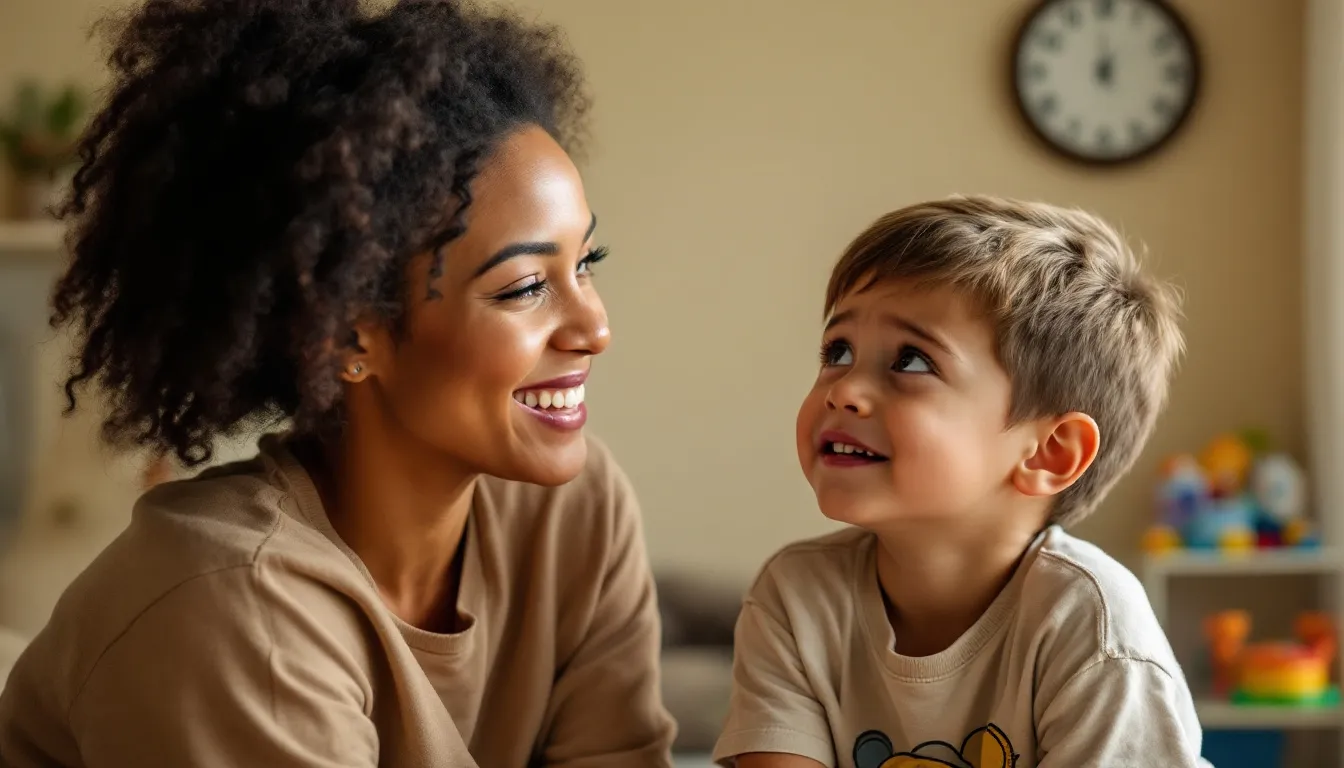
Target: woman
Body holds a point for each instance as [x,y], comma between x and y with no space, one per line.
[364,225]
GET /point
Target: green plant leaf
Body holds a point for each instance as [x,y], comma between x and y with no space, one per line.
[28,106]
[1257,439]
[65,112]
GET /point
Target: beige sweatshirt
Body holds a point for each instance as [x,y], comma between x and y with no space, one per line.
[1068,668]
[230,626]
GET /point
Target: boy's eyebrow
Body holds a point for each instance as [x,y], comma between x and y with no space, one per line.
[903,323]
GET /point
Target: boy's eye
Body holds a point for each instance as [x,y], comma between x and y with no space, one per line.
[911,360]
[836,353]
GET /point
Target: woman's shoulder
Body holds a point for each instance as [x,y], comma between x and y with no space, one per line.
[217,554]
[240,514]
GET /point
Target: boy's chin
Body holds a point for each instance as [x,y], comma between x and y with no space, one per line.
[862,510]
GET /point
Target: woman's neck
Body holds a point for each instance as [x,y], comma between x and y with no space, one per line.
[403,513]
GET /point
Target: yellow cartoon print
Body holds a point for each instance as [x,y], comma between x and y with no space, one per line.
[986,747]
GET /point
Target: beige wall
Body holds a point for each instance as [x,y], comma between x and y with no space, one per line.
[740,143]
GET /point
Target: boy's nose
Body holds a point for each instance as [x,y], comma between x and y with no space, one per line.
[850,394]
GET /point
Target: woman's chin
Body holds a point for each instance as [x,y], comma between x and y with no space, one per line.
[551,465]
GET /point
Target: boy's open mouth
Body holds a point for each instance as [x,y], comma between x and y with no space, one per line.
[851,452]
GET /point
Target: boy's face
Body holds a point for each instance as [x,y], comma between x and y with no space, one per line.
[911,375]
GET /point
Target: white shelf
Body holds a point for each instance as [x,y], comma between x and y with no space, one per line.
[1222,715]
[1263,562]
[30,237]
[1159,570]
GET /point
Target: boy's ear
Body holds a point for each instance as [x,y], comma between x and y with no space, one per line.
[1065,448]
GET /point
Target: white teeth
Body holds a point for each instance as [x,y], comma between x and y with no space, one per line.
[560,398]
[847,448]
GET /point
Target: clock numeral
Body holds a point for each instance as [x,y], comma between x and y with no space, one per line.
[1163,107]
[1071,15]
[1105,8]
[1047,105]
[1164,41]
[1104,137]
[1175,73]
[1137,133]
[1074,128]
[1049,40]
[1036,71]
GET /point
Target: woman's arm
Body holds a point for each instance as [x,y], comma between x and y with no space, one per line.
[235,667]
[606,706]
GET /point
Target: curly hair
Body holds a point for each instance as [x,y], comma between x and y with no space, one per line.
[260,176]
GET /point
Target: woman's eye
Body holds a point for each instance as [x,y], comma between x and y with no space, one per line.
[912,360]
[525,292]
[837,353]
[593,257]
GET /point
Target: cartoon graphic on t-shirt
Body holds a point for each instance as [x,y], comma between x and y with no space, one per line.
[986,747]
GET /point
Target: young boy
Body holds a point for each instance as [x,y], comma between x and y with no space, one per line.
[989,369]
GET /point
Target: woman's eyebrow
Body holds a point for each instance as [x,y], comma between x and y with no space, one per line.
[528,249]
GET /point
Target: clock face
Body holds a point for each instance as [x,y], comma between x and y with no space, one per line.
[1105,81]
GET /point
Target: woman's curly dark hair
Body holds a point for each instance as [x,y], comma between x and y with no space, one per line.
[259,177]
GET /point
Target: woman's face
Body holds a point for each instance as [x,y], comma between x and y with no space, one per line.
[491,376]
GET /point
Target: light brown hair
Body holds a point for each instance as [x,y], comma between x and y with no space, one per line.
[1079,325]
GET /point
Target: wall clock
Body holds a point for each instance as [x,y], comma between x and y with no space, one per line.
[1105,81]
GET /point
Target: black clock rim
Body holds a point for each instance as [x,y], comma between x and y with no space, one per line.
[1196,85]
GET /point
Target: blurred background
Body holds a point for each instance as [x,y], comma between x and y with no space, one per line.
[738,145]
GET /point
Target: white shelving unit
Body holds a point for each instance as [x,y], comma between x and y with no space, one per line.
[1326,562]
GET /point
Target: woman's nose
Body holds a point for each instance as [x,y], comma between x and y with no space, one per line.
[585,329]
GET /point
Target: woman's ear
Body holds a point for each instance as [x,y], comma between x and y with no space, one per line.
[362,350]
[1067,446]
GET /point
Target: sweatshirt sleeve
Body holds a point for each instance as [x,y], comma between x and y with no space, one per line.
[234,667]
[606,708]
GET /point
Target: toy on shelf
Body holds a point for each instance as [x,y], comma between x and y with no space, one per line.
[1272,673]
[1235,496]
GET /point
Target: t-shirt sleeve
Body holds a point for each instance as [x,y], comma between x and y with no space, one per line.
[236,667]
[1120,713]
[773,707]
[606,708]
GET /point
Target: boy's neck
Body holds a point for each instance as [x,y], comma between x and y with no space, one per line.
[937,583]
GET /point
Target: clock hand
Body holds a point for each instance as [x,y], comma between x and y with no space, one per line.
[1105,68]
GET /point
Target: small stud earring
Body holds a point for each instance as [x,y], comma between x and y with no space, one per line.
[356,369]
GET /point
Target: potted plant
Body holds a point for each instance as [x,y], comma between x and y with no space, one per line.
[38,137]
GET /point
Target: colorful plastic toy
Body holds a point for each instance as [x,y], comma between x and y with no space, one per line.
[1226,462]
[1235,496]
[1279,485]
[1273,673]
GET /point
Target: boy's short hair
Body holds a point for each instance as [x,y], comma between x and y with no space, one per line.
[1079,325]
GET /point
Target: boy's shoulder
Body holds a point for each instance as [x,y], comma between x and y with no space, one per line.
[820,573]
[1086,603]
[830,556]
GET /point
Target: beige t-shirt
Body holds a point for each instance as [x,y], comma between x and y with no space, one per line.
[1067,669]
[230,626]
